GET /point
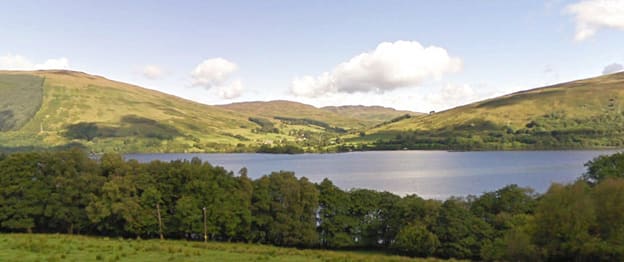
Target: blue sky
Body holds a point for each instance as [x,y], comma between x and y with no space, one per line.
[437,54]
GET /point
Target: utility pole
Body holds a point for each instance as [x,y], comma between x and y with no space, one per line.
[205,231]
[160,227]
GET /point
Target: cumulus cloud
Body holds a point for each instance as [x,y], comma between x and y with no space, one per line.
[612,68]
[212,72]
[452,95]
[592,15]
[215,73]
[390,66]
[232,89]
[18,62]
[153,72]
[59,63]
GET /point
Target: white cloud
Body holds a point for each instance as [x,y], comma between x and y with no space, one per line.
[436,97]
[153,72]
[390,66]
[18,62]
[232,89]
[592,15]
[215,73]
[452,95]
[212,72]
[59,63]
[612,68]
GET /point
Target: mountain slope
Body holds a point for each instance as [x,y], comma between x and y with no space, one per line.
[374,114]
[46,109]
[287,109]
[346,117]
[21,98]
[112,116]
[579,114]
[55,108]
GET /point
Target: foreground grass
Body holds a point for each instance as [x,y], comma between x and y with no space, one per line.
[54,247]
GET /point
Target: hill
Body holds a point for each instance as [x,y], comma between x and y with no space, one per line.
[374,114]
[346,117]
[579,114]
[60,108]
[43,109]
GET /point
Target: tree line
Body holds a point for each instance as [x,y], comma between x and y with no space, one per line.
[69,192]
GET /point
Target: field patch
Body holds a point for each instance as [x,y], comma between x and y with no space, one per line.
[55,247]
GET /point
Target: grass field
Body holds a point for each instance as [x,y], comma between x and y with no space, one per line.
[54,247]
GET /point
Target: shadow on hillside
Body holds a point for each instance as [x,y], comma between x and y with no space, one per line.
[72,145]
[130,126]
[7,120]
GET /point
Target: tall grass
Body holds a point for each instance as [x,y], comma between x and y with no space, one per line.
[56,247]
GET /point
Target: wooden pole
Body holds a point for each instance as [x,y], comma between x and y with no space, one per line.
[160,227]
[205,230]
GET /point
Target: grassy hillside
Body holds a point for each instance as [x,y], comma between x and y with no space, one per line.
[20,99]
[106,115]
[580,114]
[56,108]
[47,109]
[374,114]
[40,247]
[288,109]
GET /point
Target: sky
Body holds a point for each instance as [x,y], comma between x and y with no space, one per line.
[412,55]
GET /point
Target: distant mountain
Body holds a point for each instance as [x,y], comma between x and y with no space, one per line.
[374,114]
[579,114]
[56,108]
[347,117]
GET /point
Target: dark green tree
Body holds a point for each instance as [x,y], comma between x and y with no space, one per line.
[564,221]
[336,224]
[416,240]
[73,180]
[461,233]
[23,191]
[603,167]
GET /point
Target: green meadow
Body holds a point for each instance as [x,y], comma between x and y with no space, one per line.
[56,247]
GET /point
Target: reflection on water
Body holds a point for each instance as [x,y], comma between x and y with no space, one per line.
[429,174]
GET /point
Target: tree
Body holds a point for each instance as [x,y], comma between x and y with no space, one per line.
[242,204]
[461,233]
[74,178]
[514,245]
[116,209]
[23,191]
[608,199]
[416,240]
[603,167]
[152,198]
[83,130]
[262,216]
[336,224]
[564,220]
[365,210]
[497,208]
[284,210]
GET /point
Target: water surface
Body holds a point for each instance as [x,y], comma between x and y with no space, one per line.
[429,174]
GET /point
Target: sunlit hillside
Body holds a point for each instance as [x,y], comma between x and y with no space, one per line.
[56,108]
[570,114]
[106,115]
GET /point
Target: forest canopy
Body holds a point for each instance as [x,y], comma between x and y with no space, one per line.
[69,192]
